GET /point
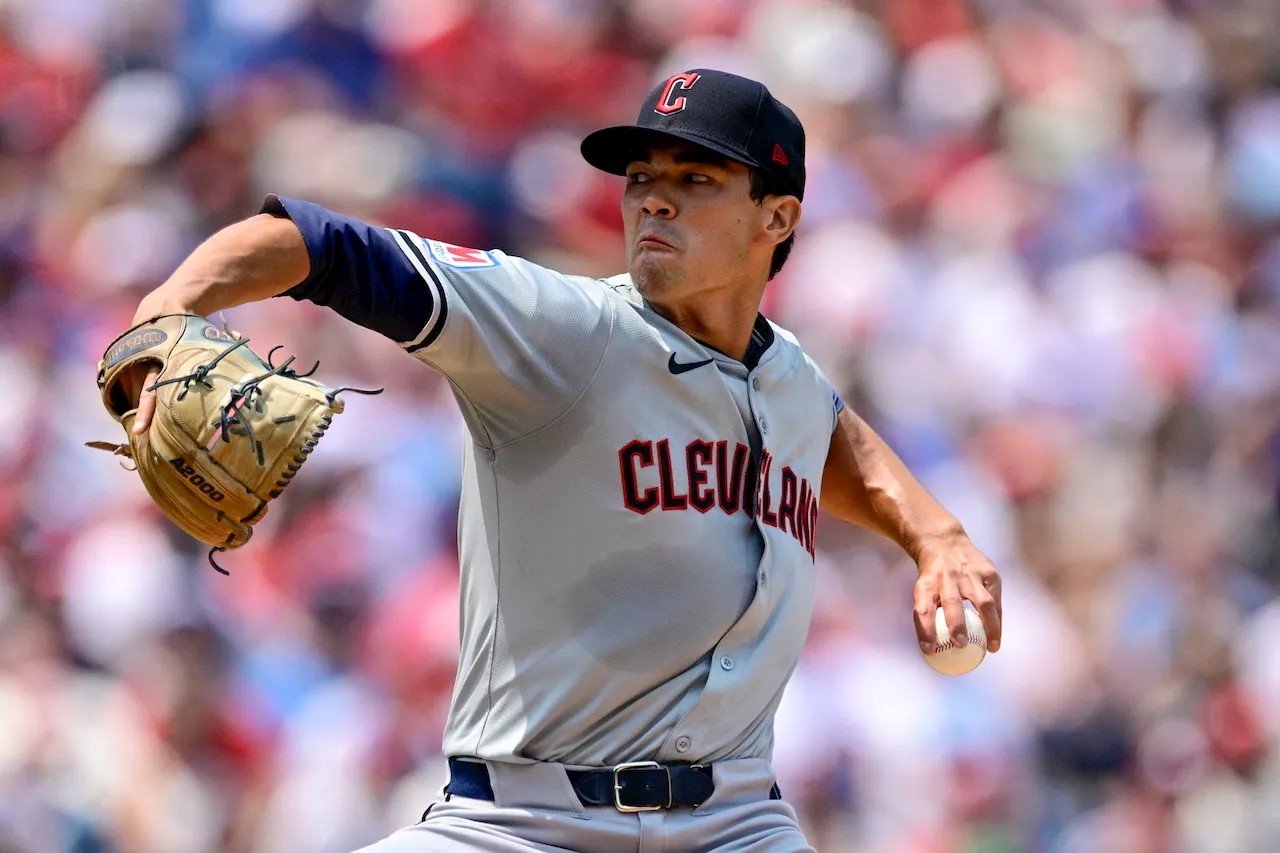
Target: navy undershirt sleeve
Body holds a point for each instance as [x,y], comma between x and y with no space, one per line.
[358,270]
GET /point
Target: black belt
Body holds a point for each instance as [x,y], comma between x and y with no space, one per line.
[641,786]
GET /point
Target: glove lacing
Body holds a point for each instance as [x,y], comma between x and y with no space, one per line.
[200,374]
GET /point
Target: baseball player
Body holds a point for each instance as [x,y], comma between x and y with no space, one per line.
[647,455]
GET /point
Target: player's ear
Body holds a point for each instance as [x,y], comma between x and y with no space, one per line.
[782,215]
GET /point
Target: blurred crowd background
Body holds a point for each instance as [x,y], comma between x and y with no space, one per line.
[1039,253]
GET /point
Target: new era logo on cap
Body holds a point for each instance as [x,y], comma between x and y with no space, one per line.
[730,115]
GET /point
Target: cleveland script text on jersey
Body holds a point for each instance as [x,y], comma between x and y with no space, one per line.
[712,477]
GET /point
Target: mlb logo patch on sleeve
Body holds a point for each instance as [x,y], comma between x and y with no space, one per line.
[460,257]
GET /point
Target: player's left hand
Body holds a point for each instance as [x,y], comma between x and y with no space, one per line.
[952,571]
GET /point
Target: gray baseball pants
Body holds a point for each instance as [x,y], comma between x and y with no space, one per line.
[536,809]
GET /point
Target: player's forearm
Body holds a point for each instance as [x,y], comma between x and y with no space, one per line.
[254,259]
[865,483]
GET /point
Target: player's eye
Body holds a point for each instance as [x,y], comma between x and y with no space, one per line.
[637,177]
[697,178]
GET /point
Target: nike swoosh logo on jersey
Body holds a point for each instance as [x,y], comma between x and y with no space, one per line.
[677,368]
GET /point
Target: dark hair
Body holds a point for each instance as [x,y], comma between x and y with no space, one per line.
[763,184]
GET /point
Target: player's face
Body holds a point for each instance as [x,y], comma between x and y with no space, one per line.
[690,222]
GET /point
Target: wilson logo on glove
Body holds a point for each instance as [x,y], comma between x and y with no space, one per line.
[133,344]
[230,430]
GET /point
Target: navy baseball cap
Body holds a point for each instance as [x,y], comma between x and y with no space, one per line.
[728,114]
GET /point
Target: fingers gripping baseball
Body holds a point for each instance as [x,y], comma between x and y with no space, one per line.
[953,602]
[926,605]
[982,589]
[949,576]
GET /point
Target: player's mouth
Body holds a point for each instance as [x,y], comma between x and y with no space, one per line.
[654,243]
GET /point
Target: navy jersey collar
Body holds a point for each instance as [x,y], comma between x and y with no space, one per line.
[762,337]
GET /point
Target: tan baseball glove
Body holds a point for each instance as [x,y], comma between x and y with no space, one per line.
[229,432]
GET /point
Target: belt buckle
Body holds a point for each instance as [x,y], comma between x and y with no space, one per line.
[617,786]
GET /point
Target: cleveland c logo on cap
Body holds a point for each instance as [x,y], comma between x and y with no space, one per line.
[665,105]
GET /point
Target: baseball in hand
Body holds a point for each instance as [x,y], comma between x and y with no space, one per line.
[950,660]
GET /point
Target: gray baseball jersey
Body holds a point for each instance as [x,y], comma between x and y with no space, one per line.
[638,510]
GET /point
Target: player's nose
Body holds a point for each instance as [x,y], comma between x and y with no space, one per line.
[656,204]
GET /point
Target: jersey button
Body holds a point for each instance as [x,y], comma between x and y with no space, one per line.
[683,744]
[755,383]
[764,426]
[726,663]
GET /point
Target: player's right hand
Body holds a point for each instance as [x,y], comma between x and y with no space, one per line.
[134,381]
[951,572]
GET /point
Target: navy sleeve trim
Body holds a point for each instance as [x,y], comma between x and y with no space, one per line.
[837,402]
[435,324]
[370,275]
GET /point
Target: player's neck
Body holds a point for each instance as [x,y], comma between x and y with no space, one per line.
[722,319]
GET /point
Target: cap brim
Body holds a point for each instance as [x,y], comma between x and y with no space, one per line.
[611,149]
